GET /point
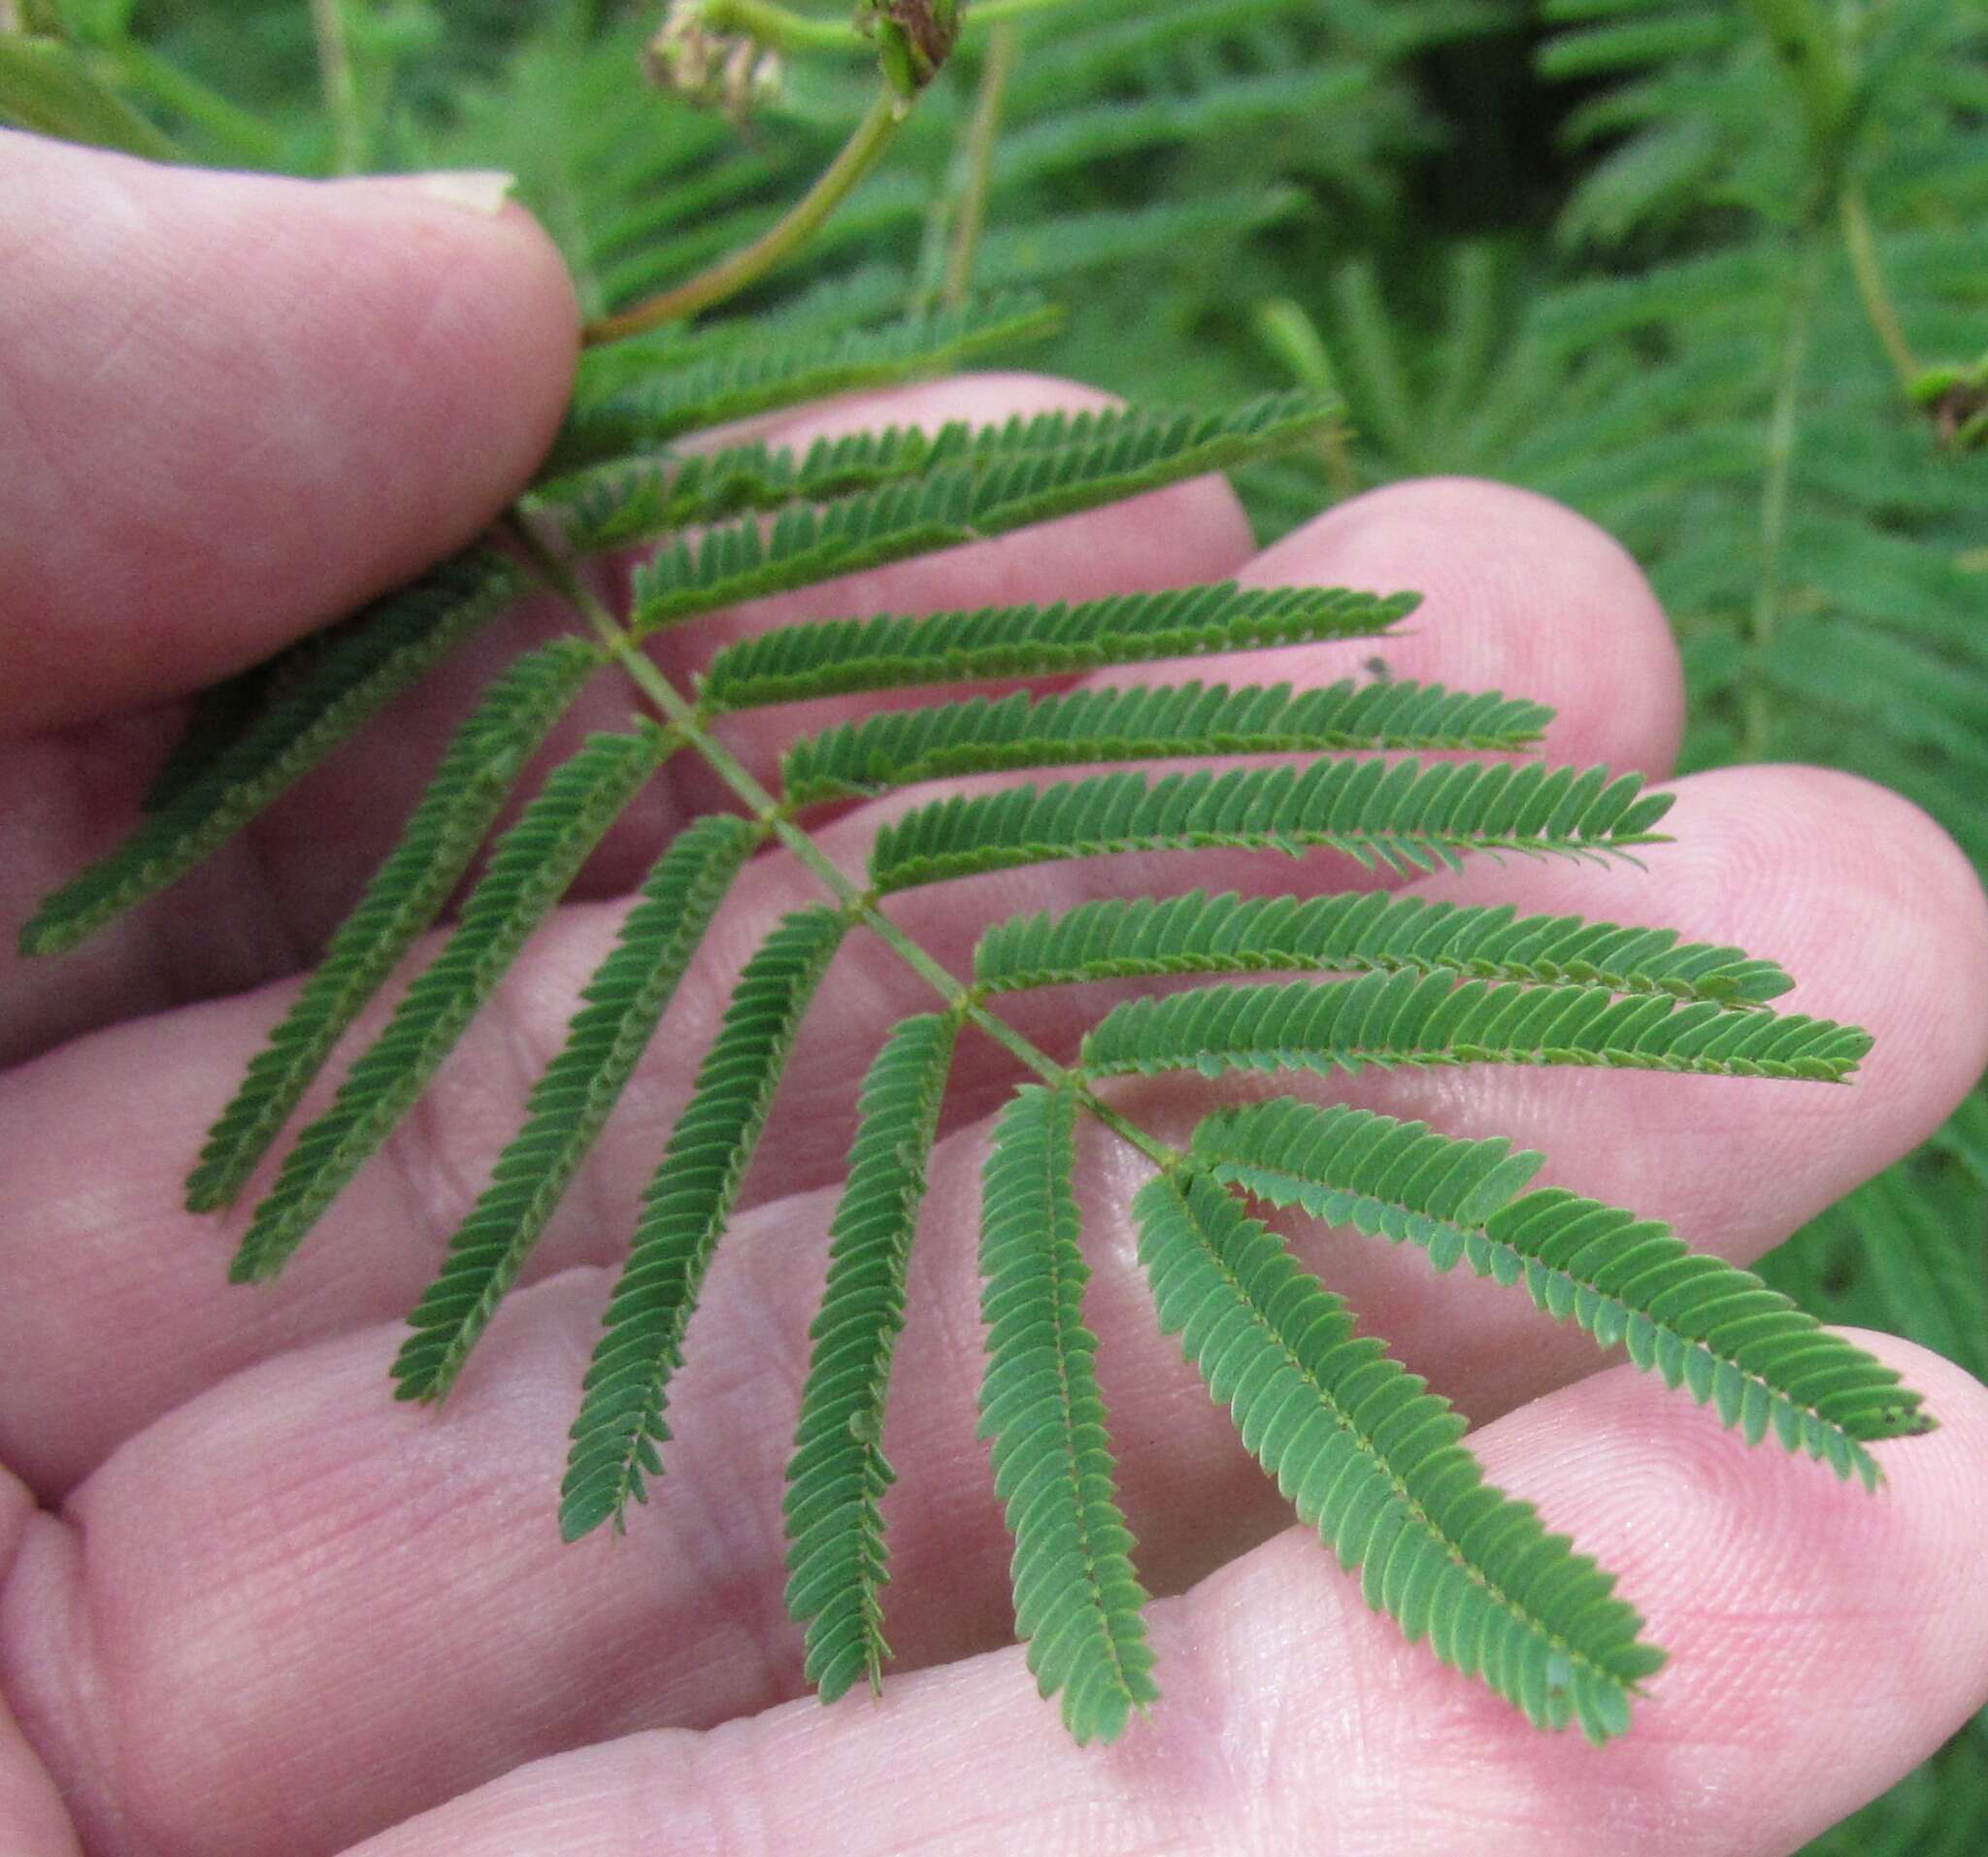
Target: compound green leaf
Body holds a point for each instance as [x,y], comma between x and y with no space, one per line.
[1376,1463]
[837,1561]
[1354,932]
[348,678]
[1078,1605]
[1419,1019]
[475,777]
[571,1103]
[1699,1322]
[528,872]
[683,1213]
[1398,816]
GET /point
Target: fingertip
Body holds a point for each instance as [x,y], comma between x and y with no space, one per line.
[1869,904]
[1518,593]
[1942,1471]
[248,404]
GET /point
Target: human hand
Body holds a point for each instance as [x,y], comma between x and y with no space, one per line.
[251,1605]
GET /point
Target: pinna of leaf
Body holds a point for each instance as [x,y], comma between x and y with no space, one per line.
[1369,978]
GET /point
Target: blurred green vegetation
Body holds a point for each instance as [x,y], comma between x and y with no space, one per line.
[1687,265]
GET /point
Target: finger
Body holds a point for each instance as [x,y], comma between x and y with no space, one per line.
[332,385]
[302,1462]
[32,1820]
[1822,1643]
[1518,594]
[429,1176]
[237,407]
[262,907]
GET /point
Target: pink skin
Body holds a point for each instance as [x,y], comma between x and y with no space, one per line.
[251,1605]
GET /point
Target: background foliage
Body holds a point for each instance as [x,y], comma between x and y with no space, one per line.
[1606,248]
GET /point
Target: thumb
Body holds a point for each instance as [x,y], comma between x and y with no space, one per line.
[235,407]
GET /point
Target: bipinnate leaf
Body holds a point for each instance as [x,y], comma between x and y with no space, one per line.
[1396,815]
[837,1561]
[684,1211]
[1143,724]
[1376,1463]
[1700,1322]
[350,675]
[1358,931]
[680,400]
[746,559]
[836,306]
[638,500]
[619,1011]
[1077,1604]
[404,895]
[617,504]
[1430,1019]
[841,658]
[217,719]
[528,872]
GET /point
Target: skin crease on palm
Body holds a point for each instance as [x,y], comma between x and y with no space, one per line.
[248,1604]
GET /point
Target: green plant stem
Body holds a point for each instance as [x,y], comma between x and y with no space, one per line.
[1879,308]
[982,135]
[1293,337]
[341,86]
[1782,432]
[858,905]
[47,84]
[751,262]
[781,29]
[237,136]
[1805,41]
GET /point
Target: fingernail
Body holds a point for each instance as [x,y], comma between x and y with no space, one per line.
[481,190]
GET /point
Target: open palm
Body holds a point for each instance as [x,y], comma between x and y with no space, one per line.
[251,1605]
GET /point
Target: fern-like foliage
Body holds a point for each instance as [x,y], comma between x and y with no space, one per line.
[1386,1019]
[1378,933]
[1398,816]
[528,874]
[1077,1600]
[1373,975]
[1383,979]
[1701,1323]
[683,1213]
[841,657]
[1373,1459]
[348,676]
[904,746]
[573,1099]
[837,1558]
